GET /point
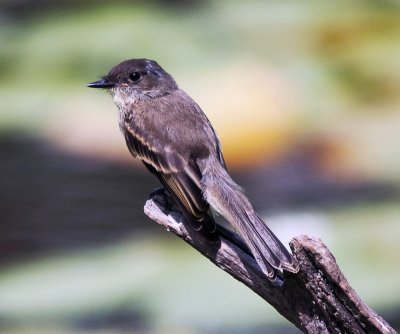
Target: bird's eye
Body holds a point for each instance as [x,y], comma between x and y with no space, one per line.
[134,76]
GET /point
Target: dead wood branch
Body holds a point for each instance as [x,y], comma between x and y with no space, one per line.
[318,299]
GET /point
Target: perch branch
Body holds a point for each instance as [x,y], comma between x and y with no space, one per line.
[318,299]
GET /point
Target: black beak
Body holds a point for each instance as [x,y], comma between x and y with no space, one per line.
[103,83]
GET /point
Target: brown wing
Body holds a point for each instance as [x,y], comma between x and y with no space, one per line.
[180,176]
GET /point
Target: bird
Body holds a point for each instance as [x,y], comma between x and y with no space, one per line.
[168,131]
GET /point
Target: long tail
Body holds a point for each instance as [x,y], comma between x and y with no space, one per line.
[225,196]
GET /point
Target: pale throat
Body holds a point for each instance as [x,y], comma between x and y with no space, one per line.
[125,101]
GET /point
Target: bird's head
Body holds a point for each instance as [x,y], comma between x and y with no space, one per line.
[136,79]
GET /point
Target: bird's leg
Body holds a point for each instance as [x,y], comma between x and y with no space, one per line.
[163,197]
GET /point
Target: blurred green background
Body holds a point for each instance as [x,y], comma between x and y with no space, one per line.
[305,98]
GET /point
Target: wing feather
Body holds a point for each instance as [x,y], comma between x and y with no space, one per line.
[180,176]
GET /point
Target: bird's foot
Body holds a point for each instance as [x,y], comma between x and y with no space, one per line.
[164,199]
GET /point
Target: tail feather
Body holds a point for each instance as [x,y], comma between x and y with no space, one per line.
[225,196]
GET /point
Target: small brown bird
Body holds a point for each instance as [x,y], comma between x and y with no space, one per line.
[172,136]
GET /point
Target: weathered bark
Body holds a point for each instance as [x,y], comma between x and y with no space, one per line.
[318,299]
